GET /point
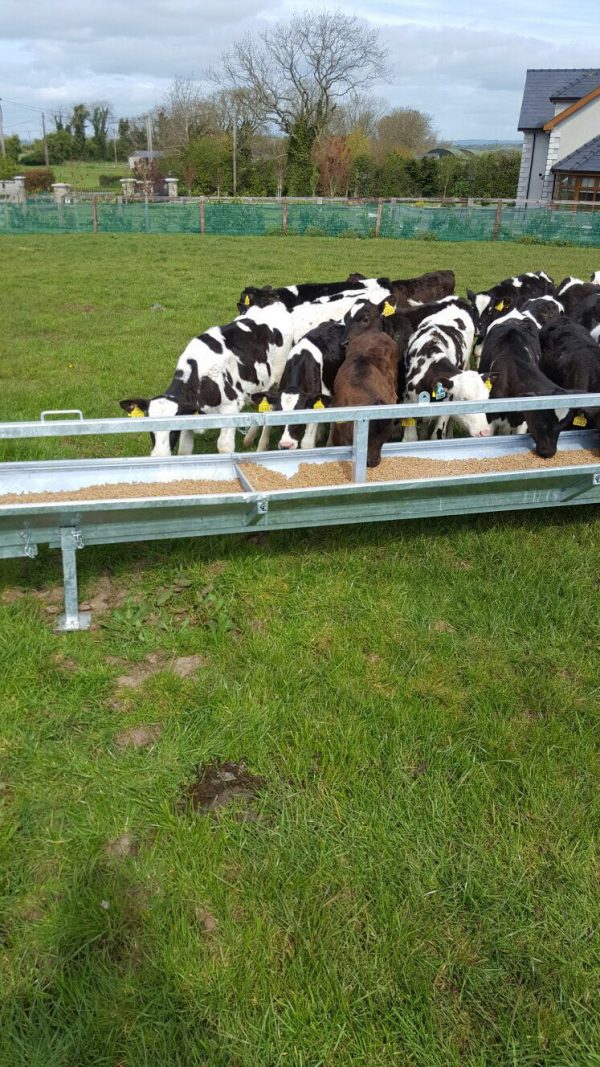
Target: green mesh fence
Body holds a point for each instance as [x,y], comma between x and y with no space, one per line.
[427,223]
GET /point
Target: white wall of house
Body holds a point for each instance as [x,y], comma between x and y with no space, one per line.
[569,135]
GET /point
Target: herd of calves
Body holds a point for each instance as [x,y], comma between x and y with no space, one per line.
[370,341]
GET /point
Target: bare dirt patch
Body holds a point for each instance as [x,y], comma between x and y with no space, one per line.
[219,784]
[122,846]
[207,920]
[182,666]
[139,736]
[441,626]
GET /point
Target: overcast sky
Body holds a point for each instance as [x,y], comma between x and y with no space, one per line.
[464,63]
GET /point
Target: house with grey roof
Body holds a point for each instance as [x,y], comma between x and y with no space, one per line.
[143,157]
[560,121]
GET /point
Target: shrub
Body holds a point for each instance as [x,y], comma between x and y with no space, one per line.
[39,180]
[8,169]
[109,181]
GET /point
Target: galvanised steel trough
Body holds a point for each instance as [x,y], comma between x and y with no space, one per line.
[72,524]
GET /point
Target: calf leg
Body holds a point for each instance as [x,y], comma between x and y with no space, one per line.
[250,437]
[186,443]
[263,443]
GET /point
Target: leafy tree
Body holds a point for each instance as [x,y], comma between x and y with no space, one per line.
[60,146]
[12,147]
[364,176]
[298,73]
[99,117]
[8,168]
[211,158]
[78,121]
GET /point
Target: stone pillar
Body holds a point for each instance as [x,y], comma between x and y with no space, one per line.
[20,195]
[61,190]
[171,185]
[128,186]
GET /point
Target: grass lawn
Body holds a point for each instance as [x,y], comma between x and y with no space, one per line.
[416,880]
[85,175]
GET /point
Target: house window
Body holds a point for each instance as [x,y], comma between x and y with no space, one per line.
[584,189]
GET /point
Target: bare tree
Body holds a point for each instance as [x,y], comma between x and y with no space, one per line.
[359,111]
[185,114]
[297,73]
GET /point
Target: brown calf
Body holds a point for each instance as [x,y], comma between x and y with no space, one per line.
[368,375]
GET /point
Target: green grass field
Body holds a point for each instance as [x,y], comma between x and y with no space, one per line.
[416,882]
[83,175]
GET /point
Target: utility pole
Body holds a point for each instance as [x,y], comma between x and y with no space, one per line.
[46,156]
[115,145]
[2,145]
[149,132]
[234,153]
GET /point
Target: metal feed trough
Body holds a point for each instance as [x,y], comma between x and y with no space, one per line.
[71,525]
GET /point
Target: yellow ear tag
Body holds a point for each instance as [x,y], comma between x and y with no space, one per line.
[136,413]
[388,309]
[499,306]
[488,385]
[264,405]
[247,300]
[318,405]
[580,420]
[408,422]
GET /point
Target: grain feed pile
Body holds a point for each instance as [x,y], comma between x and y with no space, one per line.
[410,468]
[125,491]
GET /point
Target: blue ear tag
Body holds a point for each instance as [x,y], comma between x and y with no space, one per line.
[424,398]
[439,393]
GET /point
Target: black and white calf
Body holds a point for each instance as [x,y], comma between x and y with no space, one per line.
[307,316]
[507,295]
[571,358]
[572,291]
[294,295]
[308,378]
[587,314]
[510,358]
[220,372]
[437,362]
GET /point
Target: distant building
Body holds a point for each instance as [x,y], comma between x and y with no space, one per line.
[143,157]
[447,150]
[560,121]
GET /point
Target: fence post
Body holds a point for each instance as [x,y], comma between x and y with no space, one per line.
[202,216]
[497,220]
[379,214]
[284,217]
[95,215]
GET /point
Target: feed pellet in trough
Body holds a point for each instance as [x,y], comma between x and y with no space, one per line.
[125,491]
[412,468]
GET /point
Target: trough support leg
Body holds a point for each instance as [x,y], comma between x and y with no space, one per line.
[73,619]
[359,449]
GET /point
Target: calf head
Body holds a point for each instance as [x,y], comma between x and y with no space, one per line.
[545,426]
[296,401]
[365,316]
[164,442]
[467,385]
[256,296]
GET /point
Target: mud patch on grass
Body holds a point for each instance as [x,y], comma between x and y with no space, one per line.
[122,846]
[219,784]
[182,666]
[139,736]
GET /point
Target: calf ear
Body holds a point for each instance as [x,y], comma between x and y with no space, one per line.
[471,296]
[137,404]
[562,414]
[388,306]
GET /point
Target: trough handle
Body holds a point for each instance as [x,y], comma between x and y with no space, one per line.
[61,411]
